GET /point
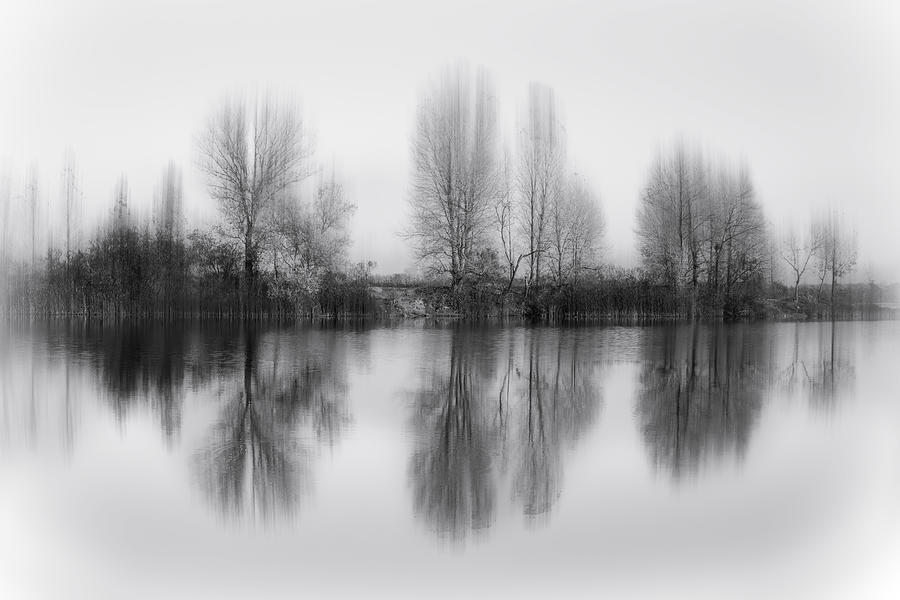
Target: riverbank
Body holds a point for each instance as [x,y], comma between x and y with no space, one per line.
[430,301]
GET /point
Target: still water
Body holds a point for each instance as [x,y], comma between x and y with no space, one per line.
[440,460]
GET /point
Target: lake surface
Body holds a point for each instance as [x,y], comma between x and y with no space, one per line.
[427,460]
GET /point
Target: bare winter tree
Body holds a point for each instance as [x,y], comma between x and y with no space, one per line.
[576,227]
[71,190]
[455,171]
[735,238]
[252,153]
[702,231]
[167,209]
[310,237]
[121,212]
[32,193]
[71,197]
[541,158]
[837,252]
[507,215]
[797,250]
[670,221]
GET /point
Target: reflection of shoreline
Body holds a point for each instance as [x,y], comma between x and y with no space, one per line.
[468,434]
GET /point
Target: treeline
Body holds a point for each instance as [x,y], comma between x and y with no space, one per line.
[519,220]
[504,228]
[155,269]
[279,250]
[145,273]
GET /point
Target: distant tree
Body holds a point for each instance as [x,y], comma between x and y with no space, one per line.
[540,179]
[71,190]
[507,219]
[455,172]
[576,228]
[32,192]
[736,237]
[310,239]
[670,221]
[121,214]
[168,202]
[837,250]
[701,231]
[252,153]
[797,250]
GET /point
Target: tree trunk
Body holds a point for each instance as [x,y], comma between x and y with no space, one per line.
[249,273]
[833,280]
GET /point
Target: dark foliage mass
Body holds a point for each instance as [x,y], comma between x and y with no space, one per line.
[133,273]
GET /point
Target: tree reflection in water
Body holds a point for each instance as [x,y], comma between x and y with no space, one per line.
[452,467]
[467,433]
[256,462]
[820,367]
[150,364]
[701,393]
[558,401]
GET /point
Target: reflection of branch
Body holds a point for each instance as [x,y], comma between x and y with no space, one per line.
[255,438]
[689,416]
[243,444]
[452,468]
[805,372]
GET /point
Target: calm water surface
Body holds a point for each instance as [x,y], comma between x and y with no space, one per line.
[186,461]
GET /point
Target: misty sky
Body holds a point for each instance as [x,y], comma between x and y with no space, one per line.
[806,92]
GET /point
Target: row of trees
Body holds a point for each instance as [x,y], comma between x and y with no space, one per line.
[701,231]
[480,211]
[512,227]
[483,212]
[829,248]
[703,234]
[280,246]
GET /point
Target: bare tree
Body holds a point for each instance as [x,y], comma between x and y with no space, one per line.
[797,251]
[736,233]
[310,238]
[837,251]
[455,174]
[507,220]
[541,155]
[71,189]
[121,213]
[168,202]
[670,220]
[252,153]
[32,196]
[701,230]
[576,226]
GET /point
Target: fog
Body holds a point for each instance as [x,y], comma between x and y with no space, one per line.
[805,93]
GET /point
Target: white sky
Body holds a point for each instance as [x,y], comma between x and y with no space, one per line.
[806,92]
